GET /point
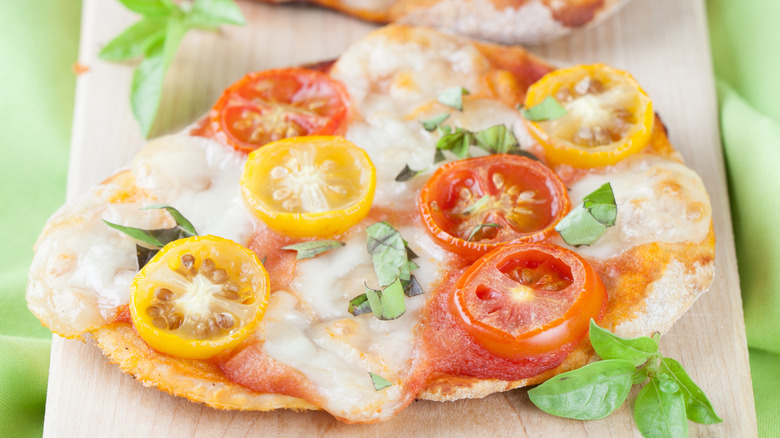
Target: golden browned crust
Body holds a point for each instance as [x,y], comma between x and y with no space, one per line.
[195,380]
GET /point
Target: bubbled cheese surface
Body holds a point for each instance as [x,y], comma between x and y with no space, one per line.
[82,268]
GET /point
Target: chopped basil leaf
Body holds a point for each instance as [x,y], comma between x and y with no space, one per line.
[262,262]
[181,221]
[387,303]
[144,236]
[159,237]
[307,250]
[388,252]
[144,254]
[476,206]
[497,139]
[407,173]
[412,288]
[391,255]
[479,228]
[434,122]
[379,381]
[458,142]
[359,305]
[587,222]
[453,97]
[548,109]
[438,156]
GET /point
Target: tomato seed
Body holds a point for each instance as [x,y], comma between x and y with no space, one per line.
[174,321]
[219,276]
[153,311]
[207,266]
[164,294]
[201,330]
[187,260]
[225,321]
[231,295]
[160,322]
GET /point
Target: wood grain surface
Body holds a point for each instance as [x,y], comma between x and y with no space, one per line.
[663,43]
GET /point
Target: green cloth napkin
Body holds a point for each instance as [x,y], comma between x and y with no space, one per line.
[745,41]
[38,46]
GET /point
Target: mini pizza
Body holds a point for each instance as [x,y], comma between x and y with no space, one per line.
[503,21]
[426,217]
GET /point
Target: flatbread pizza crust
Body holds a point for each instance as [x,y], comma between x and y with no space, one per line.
[649,285]
[503,21]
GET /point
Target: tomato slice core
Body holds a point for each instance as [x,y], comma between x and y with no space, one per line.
[472,206]
[271,105]
[522,300]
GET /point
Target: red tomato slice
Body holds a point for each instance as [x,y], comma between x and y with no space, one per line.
[472,206]
[270,105]
[523,300]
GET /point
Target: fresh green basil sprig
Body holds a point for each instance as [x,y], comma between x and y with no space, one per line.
[155,38]
[663,405]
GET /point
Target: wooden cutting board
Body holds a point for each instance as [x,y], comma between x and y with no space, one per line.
[663,43]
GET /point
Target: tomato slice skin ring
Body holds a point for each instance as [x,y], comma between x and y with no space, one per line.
[561,332]
[438,192]
[299,100]
[165,269]
[565,151]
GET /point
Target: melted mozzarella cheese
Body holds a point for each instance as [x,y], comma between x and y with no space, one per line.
[657,201]
[200,178]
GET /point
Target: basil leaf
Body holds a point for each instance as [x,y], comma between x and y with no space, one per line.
[453,97]
[640,376]
[611,346]
[144,236]
[387,250]
[479,228]
[146,90]
[359,305]
[135,40]
[458,142]
[497,139]
[434,122]
[438,156]
[588,393]
[379,381]
[407,173]
[476,206]
[586,222]
[579,227]
[601,204]
[181,221]
[150,7]
[212,13]
[660,414]
[307,250]
[144,254]
[412,288]
[697,407]
[387,303]
[548,109]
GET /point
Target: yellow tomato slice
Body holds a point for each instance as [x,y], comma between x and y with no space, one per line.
[199,296]
[309,186]
[609,116]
